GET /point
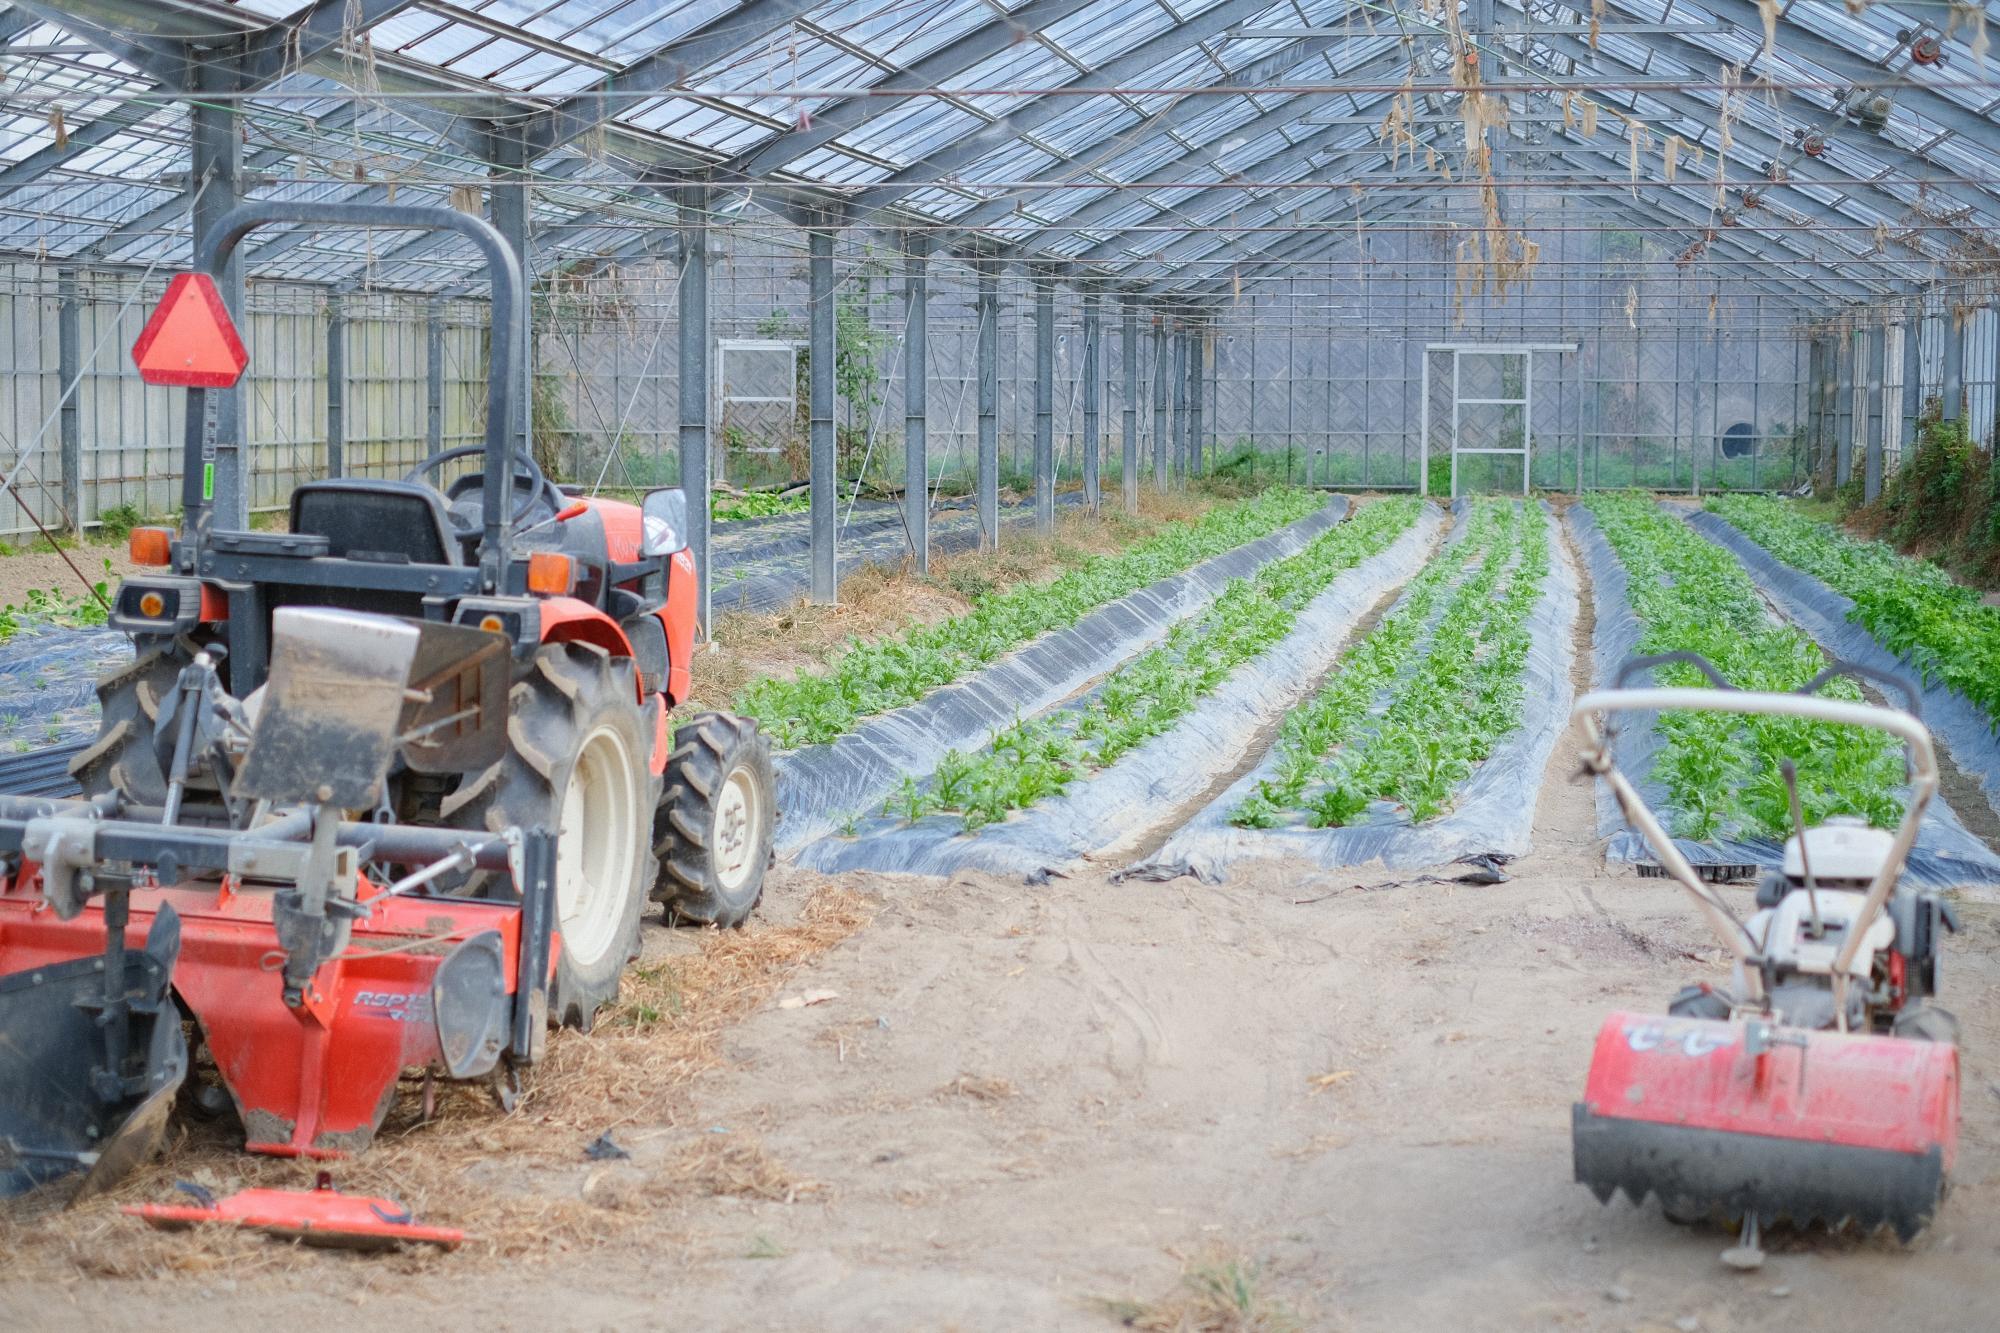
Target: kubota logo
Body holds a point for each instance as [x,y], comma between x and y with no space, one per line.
[1692,1042]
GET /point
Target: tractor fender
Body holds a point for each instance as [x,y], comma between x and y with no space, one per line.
[678,616]
[572,620]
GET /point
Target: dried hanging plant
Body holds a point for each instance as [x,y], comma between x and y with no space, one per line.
[1726,113]
[1632,306]
[1638,138]
[1596,19]
[57,124]
[1971,17]
[1670,154]
[1769,10]
[1589,119]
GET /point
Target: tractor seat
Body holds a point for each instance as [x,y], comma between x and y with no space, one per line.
[389,522]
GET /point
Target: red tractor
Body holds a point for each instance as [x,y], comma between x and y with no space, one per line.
[388,790]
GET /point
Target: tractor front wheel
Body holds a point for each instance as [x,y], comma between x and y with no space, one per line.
[576,764]
[713,831]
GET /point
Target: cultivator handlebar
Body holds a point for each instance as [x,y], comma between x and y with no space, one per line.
[1761,1112]
[1905,726]
[312,950]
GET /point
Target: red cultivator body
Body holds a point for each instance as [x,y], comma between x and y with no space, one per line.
[1822,1085]
[1774,1123]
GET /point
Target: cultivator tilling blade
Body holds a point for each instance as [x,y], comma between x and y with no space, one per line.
[1750,1119]
[88,1071]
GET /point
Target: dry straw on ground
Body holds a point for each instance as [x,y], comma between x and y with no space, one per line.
[1220,1291]
[517,1184]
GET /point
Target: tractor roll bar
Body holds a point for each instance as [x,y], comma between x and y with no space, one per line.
[509,299]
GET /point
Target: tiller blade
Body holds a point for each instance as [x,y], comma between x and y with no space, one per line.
[321,1216]
[1747,1118]
[88,1070]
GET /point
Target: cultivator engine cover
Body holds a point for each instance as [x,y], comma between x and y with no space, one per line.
[1752,1119]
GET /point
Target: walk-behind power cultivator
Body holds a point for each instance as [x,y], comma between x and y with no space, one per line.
[1822,1085]
[383,793]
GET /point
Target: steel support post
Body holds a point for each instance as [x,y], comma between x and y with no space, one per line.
[1815,401]
[69,377]
[216,417]
[1045,404]
[821,444]
[987,357]
[1843,408]
[1954,363]
[434,374]
[1093,388]
[509,202]
[336,388]
[1877,352]
[691,204]
[916,402]
[1160,358]
[1129,342]
[1180,404]
[1197,345]
[987,354]
[1913,372]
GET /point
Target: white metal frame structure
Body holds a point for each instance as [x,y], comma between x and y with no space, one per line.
[1526,402]
[725,397]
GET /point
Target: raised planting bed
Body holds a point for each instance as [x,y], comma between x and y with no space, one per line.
[1864,602]
[872,678]
[1660,586]
[1413,750]
[1152,737]
[824,787]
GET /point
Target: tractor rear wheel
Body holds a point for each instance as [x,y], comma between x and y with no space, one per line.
[124,758]
[713,831]
[576,763]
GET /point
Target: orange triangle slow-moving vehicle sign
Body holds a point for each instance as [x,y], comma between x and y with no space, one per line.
[190,340]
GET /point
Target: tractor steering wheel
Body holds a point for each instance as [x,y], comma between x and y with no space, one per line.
[525,469]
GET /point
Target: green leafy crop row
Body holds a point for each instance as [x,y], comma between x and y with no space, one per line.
[875,677]
[756,504]
[1146,696]
[1911,606]
[1721,770]
[1445,719]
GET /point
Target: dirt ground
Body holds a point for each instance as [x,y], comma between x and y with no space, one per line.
[1040,1107]
[50,572]
[1302,1099]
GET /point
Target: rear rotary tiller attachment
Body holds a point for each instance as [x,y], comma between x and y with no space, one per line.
[1803,1092]
[314,974]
